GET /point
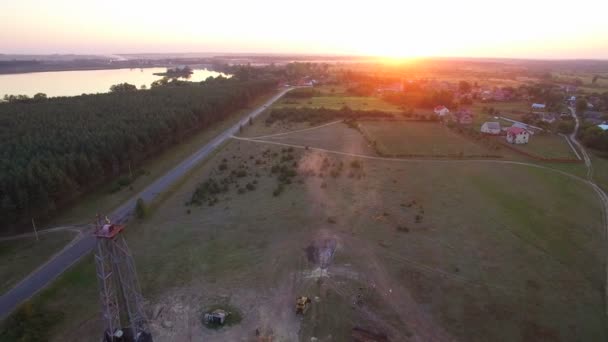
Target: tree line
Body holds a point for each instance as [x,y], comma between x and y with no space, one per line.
[53,150]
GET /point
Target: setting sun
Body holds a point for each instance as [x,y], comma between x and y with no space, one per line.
[387,28]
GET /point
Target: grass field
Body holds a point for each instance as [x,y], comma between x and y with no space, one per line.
[337,102]
[511,110]
[420,139]
[600,169]
[548,146]
[22,256]
[430,250]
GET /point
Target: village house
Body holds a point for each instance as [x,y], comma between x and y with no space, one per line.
[441,111]
[593,117]
[391,88]
[502,95]
[531,129]
[517,135]
[491,128]
[538,106]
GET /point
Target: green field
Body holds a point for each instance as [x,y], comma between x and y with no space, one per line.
[425,139]
[548,146]
[22,256]
[337,102]
[600,168]
[470,251]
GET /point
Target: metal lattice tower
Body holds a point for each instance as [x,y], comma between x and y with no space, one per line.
[119,291]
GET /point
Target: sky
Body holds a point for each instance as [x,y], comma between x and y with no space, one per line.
[553,29]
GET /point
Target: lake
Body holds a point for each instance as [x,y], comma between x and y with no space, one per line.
[70,83]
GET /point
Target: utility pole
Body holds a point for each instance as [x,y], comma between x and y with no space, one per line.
[119,288]
[35,230]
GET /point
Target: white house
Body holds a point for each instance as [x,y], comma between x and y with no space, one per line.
[538,106]
[491,127]
[441,111]
[517,135]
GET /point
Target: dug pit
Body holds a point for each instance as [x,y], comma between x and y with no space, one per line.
[321,252]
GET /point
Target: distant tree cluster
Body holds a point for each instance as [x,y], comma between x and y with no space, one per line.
[422,98]
[53,151]
[594,137]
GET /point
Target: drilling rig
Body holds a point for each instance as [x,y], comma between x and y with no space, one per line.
[122,307]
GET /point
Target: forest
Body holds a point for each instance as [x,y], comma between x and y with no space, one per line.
[54,150]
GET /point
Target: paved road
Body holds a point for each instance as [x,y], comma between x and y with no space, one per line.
[70,255]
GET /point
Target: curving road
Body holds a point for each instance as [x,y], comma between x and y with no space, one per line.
[45,274]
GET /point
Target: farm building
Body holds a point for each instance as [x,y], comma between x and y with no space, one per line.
[441,111]
[538,106]
[517,135]
[491,127]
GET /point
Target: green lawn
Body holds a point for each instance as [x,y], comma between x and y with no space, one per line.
[22,256]
[337,102]
[548,146]
[420,139]
[511,110]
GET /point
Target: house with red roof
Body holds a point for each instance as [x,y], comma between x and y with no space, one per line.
[441,111]
[517,135]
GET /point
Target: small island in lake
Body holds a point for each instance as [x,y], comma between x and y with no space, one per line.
[180,71]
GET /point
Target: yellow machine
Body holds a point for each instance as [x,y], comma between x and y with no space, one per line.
[302,304]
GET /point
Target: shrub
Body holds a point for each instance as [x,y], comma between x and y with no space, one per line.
[29,323]
[141,209]
[278,190]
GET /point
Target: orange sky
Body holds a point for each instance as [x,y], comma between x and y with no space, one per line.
[516,28]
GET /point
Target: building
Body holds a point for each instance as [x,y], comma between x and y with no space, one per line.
[594,117]
[441,111]
[603,127]
[491,128]
[527,127]
[548,117]
[538,106]
[464,117]
[517,135]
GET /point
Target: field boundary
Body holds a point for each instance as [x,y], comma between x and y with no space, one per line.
[571,146]
[539,158]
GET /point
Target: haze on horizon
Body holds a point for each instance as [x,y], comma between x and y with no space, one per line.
[468,28]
